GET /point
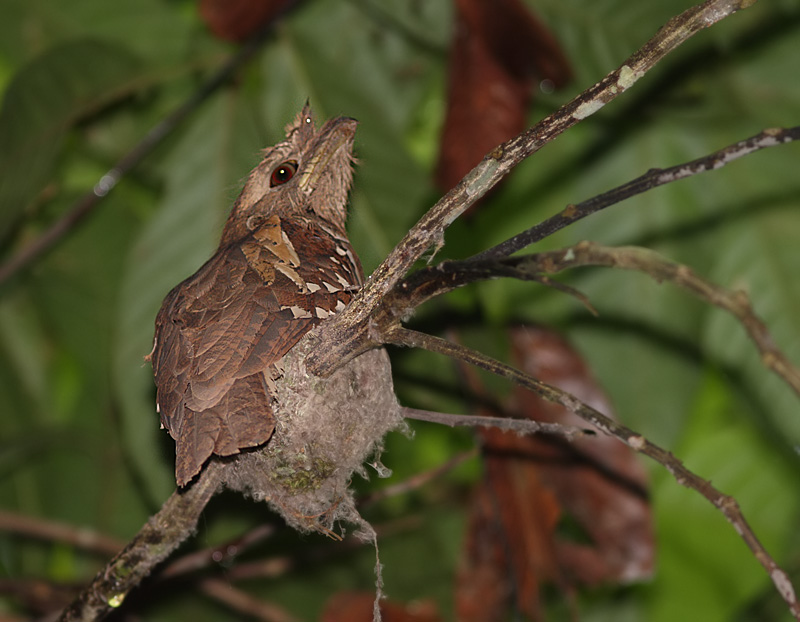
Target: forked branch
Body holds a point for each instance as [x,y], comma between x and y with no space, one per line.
[430,282]
[434,281]
[724,503]
[347,334]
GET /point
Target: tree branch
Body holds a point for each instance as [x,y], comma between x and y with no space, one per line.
[159,537]
[430,282]
[346,335]
[520,426]
[243,603]
[724,503]
[85,539]
[369,321]
[223,554]
[651,179]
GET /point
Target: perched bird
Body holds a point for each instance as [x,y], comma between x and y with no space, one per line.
[283,265]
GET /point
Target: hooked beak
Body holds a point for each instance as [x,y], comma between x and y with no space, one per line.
[335,135]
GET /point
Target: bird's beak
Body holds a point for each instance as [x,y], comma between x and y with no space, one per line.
[335,135]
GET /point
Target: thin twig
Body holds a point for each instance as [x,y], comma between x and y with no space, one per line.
[420,479]
[89,201]
[725,503]
[242,602]
[428,283]
[86,539]
[219,555]
[647,261]
[644,260]
[520,426]
[346,335]
[269,568]
[651,179]
[222,554]
[214,588]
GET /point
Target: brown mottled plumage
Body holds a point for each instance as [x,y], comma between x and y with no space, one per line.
[284,264]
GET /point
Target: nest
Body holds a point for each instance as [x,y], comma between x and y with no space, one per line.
[327,428]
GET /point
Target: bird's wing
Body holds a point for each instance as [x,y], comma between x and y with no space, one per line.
[220,331]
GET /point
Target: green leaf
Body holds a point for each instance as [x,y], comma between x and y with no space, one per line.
[379,78]
[44,100]
[701,556]
[157,31]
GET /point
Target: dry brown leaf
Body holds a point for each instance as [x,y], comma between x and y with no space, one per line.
[511,510]
[535,485]
[597,480]
[499,50]
[236,20]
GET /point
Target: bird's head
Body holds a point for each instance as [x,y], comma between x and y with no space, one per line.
[308,174]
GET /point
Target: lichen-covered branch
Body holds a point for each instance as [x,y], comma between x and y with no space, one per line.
[651,179]
[159,537]
[725,503]
[347,334]
[520,426]
[434,281]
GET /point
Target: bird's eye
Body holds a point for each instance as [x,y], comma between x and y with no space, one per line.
[282,173]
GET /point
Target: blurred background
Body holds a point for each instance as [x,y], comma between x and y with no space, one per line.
[434,85]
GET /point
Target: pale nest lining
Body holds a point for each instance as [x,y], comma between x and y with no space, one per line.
[326,428]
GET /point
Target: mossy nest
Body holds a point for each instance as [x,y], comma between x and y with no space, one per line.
[326,429]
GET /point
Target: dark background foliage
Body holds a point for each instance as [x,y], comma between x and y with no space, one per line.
[79,442]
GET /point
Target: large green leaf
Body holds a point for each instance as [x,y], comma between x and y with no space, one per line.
[379,78]
[702,558]
[59,427]
[44,100]
[154,30]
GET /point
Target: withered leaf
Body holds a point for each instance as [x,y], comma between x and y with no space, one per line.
[498,52]
[534,486]
[598,481]
[236,20]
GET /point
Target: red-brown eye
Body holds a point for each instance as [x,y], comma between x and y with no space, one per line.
[282,173]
